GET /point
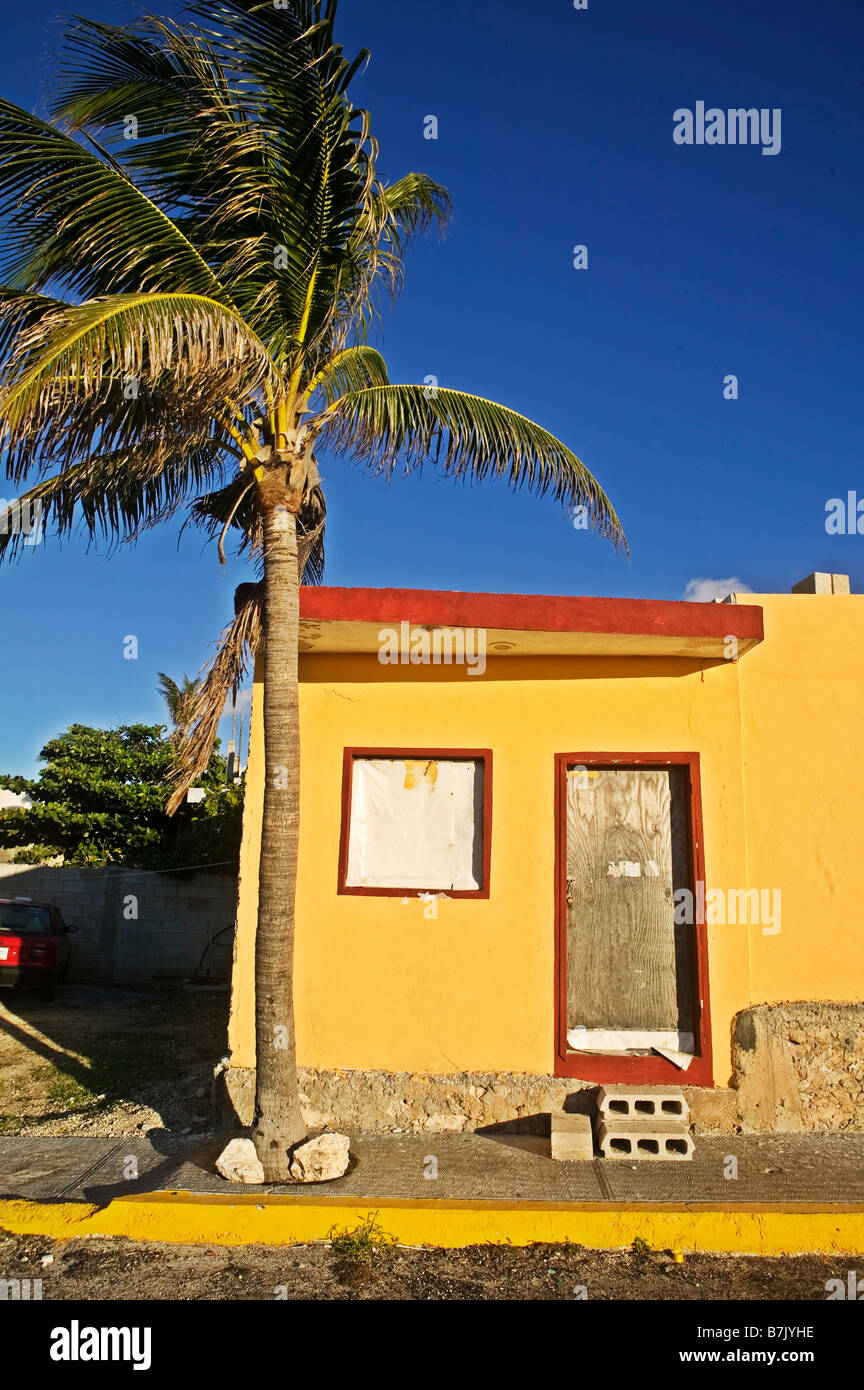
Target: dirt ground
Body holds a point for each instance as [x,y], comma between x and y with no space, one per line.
[123,1269]
[104,1061]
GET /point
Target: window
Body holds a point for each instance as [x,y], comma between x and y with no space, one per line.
[416,821]
[21,919]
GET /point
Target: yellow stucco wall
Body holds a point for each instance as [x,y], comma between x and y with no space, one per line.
[780,739]
[802,698]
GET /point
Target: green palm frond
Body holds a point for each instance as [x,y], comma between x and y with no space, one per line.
[244,124]
[170,692]
[467,436]
[76,218]
[152,69]
[20,312]
[394,215]
[307,154]
[114,496]
[415,203]
[352,369]
[179,699]
[66,381]
[219,330]
[202,148]
[197,138]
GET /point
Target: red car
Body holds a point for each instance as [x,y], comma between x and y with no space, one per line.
[34,946]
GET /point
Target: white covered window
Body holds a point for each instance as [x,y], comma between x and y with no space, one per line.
[415,824]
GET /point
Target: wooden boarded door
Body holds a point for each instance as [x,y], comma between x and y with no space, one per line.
[628,966]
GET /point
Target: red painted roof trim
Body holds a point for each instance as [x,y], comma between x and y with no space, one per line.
[532,613]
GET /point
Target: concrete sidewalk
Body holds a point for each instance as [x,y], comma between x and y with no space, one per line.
[793,1193]
[500,1167]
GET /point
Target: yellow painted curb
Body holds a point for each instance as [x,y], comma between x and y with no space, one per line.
[188,1218]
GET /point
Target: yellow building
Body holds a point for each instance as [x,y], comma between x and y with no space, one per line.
[567,837]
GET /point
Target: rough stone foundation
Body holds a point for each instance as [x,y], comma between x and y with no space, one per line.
[796,1067]
[799,1067]
[412,1103]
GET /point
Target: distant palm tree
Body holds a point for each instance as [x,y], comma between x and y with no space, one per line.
[180,700]
[193,255]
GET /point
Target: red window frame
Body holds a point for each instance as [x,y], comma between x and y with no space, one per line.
[483,755]
[637,1070]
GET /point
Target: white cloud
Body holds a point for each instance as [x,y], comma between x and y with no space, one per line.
[704,590]
[243,706]
[8,798]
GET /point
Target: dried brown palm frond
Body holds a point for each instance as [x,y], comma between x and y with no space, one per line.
[310,537]
[238,645]
[115,496]
[69,364]
[235,506]
[221,677]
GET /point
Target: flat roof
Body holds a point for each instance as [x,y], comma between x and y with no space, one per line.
[350,620]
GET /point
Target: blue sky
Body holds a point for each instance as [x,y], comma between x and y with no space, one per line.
[555,129]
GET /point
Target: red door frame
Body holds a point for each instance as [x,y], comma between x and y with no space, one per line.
[636,1070]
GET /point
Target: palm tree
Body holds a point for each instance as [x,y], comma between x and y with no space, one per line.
[180,700]
[196,244]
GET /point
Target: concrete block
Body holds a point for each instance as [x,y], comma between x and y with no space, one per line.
[643,1103]
[655,1140]
[821,583]
[712,1110]
[571,1137]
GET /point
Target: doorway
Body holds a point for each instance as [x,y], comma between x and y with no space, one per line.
[632,982]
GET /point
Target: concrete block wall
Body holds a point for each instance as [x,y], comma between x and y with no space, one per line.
[134,926]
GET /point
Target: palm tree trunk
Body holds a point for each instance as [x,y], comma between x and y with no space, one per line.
[278,1120]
